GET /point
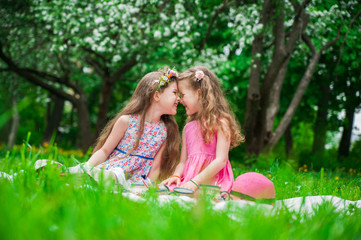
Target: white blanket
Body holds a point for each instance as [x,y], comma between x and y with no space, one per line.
[306,204]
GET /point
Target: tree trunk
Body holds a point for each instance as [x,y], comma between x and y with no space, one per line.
[274,102]
[86,135]
[288,140]
[260,123]
[78,98]
[14,124]
[253,94]
[278,58]
[345,143]
[104,101]
[287,117]
[320,129]
[302,86]
[55,113]
[108,82]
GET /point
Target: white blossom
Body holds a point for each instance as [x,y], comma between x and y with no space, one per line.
[157,34]
[99,20]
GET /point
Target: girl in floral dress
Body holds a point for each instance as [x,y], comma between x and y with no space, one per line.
[143,139]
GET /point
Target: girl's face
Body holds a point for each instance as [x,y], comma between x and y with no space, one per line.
[169,99]
[190,98]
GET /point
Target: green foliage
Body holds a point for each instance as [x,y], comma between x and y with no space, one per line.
[62,37]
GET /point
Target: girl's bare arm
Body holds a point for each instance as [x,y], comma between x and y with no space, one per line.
[112,141]
[181,165]
[157,161]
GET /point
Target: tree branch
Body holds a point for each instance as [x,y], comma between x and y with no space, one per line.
[31,78]
[309,43]
[62,64]
[124,68]
[5,70]
[287,117]
[297,97]
[343,42]
[332,41]
[346,35]
[216,13]
[95,53]
[299,24]
[97,66]
[46,86]
[299,8]
[278,59]
[52,78]
[279,30]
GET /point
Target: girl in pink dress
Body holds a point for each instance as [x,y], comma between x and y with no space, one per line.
[210,133]
[143,139]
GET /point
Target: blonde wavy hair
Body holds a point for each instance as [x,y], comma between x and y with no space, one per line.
[139,103]
[214,113]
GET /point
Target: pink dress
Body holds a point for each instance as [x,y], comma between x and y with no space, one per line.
[200,155]
[140,161]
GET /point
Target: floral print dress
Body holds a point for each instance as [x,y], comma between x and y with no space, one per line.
[140,161]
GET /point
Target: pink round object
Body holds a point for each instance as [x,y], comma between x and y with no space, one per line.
[254,185]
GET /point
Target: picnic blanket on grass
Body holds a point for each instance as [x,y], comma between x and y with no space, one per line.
[307,204]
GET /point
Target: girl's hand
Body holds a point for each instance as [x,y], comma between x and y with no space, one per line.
[190,185]
[172,180]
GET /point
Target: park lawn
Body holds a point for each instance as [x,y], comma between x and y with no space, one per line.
[45,206]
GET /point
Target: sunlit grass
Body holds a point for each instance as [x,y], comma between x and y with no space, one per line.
[45,206]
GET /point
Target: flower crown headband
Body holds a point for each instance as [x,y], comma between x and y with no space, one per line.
[166,78]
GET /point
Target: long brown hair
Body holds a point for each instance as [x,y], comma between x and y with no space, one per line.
[139,103]
[214,113]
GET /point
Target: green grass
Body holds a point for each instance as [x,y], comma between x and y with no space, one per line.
[45,206]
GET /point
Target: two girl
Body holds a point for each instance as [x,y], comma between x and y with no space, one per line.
[143,138]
